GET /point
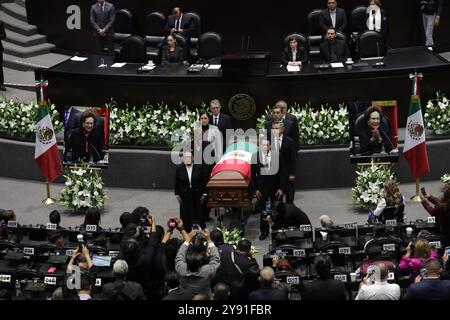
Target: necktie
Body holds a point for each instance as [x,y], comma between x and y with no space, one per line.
[216,121]
[86,148]
[103,7]
[177,24]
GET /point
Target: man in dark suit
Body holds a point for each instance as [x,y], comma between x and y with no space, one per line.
[2,37]
[266,182]
[190,191]
[267,291]
[103,15]
[287,159]
[287,215]
[180,23]
[333,17]
[324,288]
[239,270]
[290,122]
[175,291]
[332,49]
[220,120]
[430,287]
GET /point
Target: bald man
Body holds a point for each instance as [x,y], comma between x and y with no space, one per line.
[379,289]
[267,290]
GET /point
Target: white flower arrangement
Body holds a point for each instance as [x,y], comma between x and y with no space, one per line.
[83,189]
[19,118]
[445,178]
[369,189]
[437,115]
[233,237]
[151,125]
[317,126]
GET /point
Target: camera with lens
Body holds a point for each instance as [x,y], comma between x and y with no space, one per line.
[143,220]
[172,223]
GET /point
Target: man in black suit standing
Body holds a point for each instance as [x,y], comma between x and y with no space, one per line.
[220,120]
[287,156]
[266,182]
[333,17]
[332,49]
[180,23]
[290,122]
[2,37]
[103,15]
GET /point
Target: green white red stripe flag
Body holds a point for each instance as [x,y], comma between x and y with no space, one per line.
[415,149]
[46,151]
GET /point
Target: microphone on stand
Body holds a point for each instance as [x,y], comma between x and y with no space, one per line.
[380,63]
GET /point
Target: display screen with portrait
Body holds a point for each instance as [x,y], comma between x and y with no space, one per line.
[373,130]
[86,134]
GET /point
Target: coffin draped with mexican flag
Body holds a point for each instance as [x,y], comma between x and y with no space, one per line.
[229,184]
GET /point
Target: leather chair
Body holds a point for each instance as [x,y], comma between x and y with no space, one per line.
[133,50]
[392,213]
[358,20]
[371,45]
[123,27]
[209,46]
[315,33]
[155,32]
[197,28]
[360,124]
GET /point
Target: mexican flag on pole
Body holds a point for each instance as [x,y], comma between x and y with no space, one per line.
[46,151]
[415,149]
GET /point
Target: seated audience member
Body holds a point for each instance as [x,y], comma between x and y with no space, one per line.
[221,292]
[286,215]
[378,288]
[192,267]
[174,290]
[429,286]
[375,136]
[280,239]
[416,256]
[92,217]
[81,259]
[268,291]
[373,257]
[294,54]
[56,237]
[324,288]
[217,238]
[440,208]
[85,143]
[332,49]
[55,218]
[64,293]
[84,292]
[124,219]
[171,53]
[325,221]
[333,17]
[179,23]
[392,198]
[239,270]
[121,289]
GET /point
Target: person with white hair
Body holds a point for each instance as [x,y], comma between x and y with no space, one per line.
[325,221]
[268,291]
[121,289]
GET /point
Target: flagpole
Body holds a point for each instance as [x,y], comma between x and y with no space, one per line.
[49,200]
[416,197]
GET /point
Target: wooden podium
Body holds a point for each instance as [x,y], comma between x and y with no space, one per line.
[229,189]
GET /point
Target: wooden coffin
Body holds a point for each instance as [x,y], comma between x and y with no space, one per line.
[229,189]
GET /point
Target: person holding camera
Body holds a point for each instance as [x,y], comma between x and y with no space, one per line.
[193,267]
[81,257]
[374,285]
[431,11]
[416,255]
[439,208]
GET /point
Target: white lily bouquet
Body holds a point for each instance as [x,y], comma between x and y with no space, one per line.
[445,178]
[369,189]
[19,118]
[83,189]
[233,237]
[437,115]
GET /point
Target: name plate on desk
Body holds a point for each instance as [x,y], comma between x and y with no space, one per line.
[245,64]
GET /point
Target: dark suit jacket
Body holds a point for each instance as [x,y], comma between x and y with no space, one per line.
[76,143]
[341,20]
[2,35]
[288,158]
[241,283]
[179,294]
[182,186]
[293,217]
[287,116]
[370,147]
[268,293]
[268,185]
[169,57]
[290,129]
[224,124]
[342,52]
[324,289]
[103,19]
[432,289]
[301,55]
[187,24]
